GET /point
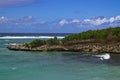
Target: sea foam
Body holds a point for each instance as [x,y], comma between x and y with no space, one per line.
[103,56]
[30,37]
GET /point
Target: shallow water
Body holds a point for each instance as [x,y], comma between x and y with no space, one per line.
[22,65]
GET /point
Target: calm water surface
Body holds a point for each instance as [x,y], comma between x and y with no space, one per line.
[22,65]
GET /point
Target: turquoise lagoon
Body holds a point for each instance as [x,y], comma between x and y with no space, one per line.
[24,65]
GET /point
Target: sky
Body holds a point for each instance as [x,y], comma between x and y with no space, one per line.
[57,16]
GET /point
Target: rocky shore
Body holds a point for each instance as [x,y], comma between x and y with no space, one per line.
[75,47]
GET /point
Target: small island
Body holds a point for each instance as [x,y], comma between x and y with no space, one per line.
[100,41]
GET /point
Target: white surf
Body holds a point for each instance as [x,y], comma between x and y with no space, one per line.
[104,56]
[30,37]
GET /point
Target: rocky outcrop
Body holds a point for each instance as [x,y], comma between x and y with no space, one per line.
[79,47]
[40,48]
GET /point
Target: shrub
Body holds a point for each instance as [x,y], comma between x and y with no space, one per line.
[35,43]
[53,41]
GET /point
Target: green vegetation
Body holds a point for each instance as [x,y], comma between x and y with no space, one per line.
[35,43]
[53,41]
[38,42]
[109,34]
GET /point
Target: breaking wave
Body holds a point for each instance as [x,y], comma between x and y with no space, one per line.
[103,56]
[30,37]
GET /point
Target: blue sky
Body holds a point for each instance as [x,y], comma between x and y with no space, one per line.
[62,16]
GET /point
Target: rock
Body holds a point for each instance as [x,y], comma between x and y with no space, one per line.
[84,47]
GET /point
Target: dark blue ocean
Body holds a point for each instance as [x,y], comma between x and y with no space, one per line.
[27,65]
[34,34]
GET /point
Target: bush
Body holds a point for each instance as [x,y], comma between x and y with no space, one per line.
[35,43]
[53,41]
[27,45]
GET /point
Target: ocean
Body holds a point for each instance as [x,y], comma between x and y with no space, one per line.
[32,35]
[28,65]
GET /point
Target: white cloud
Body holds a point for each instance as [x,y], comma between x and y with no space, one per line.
[63,22]
[3,19]
[101,21]
[27,20]
[31,21]
[91,22]
[86,20]
[96,22]
[113,19]
[75,21]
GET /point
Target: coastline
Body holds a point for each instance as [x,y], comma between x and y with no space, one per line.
[73,47]
[99,41]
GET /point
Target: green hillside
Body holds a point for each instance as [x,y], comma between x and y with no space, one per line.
[109,34]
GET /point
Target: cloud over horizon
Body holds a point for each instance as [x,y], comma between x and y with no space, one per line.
[63,25]
[24,19]
[98,21]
